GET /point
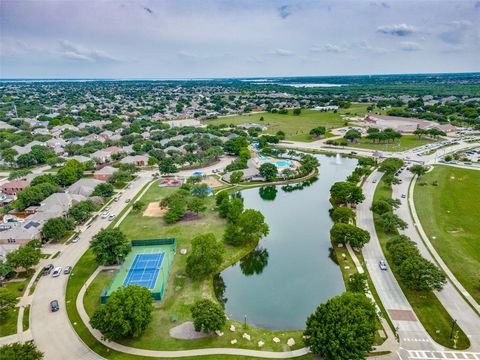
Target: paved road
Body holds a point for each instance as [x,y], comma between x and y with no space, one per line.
[411,332]
[451,299]
[53,332]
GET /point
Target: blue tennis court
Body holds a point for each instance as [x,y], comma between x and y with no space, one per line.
[144,270]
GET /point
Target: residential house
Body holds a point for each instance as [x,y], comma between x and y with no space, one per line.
[84,187]
[139,160]
[104,173]
[101,156]
[14,187]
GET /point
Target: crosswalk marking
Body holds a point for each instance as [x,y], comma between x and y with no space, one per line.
[441,355]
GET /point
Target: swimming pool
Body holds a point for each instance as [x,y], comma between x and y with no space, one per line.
[283,163]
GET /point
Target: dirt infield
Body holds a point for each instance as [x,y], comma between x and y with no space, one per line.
[211,181]
[154,210]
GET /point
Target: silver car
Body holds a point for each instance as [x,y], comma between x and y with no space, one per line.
[383,265]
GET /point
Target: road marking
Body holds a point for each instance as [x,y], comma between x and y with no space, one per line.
[442,355]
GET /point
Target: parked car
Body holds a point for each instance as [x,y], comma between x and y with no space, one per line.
[67,270]
[47,269]
[75,239]
[383,265]
[107,208]
[374,181]
[403,196]
[116,199]
[54,305]
[127,201]
[105,215]
[57,271]
[111,217]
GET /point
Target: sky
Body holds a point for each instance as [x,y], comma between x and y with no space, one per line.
[236,38]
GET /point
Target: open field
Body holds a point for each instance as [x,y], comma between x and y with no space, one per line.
[449,214]
[406,142]
[426,305]
[296,128]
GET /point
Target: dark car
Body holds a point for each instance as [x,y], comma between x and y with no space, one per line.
[47,269]
[54,305]
[67,270]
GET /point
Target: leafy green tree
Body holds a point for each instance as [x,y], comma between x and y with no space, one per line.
[342,328]
[196,205]
[26,160]
[167,166]
[66,176]
[46,178]
[349,234]
[308,163]
[104,190]
[318,131]
[5,270]
[175,212]
[110,246]
[297,111]
[390,179]
[34,195]
[420,274]
[57,228]
[81,211]
[126,313]
[8,300]
[401,248]
[391,165]
[138,206]
[268,171]
[205,257]
[21,351]
[207,316]
[418,170]
[357,283]
[24,257]
[9,154]
[343,214]
[345,193]
[236,145]
[390,222]
[352,135]
[250,227]
[236,177]
[235,209]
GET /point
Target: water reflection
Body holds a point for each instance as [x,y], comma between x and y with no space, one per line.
[255,262]
[219,287]
[299,186]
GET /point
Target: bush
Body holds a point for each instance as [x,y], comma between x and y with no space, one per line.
[207,316]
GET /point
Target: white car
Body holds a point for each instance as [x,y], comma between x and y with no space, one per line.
[111,217]
[75,239]
[57,271]
[383,265]
[105,215]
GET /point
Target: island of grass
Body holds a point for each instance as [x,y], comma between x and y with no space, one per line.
[448,205]
[406,142]
[295,127]
[429,310]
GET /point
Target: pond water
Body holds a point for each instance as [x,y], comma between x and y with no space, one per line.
[290,273]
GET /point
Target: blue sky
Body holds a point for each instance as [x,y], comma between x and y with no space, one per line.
[226,38]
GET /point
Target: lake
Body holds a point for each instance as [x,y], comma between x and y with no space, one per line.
[290,273]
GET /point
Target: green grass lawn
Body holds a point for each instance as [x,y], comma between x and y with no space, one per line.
[296,128]
[426,305]
[8,325]
[450,214]
[406,142]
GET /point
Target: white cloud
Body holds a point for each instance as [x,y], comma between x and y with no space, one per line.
[410,46]
[397,29]
[332,48]
[78,52]
[281,52]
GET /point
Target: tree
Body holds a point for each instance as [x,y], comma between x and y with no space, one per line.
[206,256]
[24,257]
[138,206]
[390,179]
[8,300]
[357,283]
[342,328]
[235,209]
[175,212]
[268,171]
[349,234]
[421,275]
[66,176]
[110,246]
[391,165]
[344,192]
[104,190]
[418,170]
[308,163]
[236,177]
[126,313]
[318,131]
[297,111]
[167,166]
[352,135]
[401,248]
[34,195]
[21,351]
[390,222]
[268,193]
[56,228]
[26,160]
[207,316]
[5,270]
[196,205]
[81,211]
[250,227]
[46,178]
[343,214]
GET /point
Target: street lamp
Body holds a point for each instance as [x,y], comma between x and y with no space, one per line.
[454,321]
